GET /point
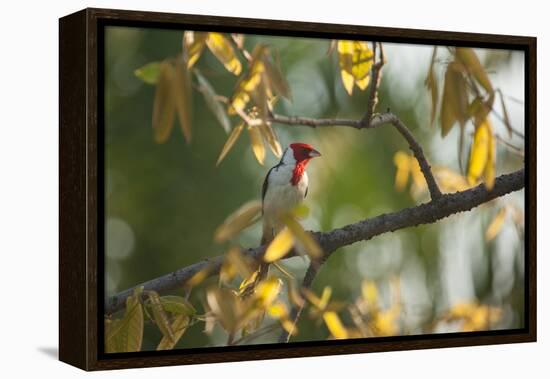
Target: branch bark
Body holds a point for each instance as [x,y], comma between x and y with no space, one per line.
[427,213]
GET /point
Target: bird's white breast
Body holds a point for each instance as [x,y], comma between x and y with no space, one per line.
[281,195]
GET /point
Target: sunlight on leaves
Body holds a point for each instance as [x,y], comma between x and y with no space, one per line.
[193,45]
[280,246]
[355,59]
[247,84]
[220,46]
[242,218]
[482,156]
[257,143]
[305,239]
[334,325]
[474,316]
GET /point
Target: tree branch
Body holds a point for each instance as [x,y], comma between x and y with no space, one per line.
[376,121]
[427,213]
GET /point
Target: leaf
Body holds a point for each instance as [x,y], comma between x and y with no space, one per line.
[470,60]
[257,143]
[496,225]
[304,238]
[271,138]
[164,106]
[177,305]
[179,326]
[213,104]
[238,220]
[193,45]
[268,290]
[126,334]
[325,297]
[235,133]
[239,262]
[370,294]
[454,104]
[149,73]
[355,59]
[182,94]
[222,49]
[277,81]
[431,84]
[159,315]
[248,84]
[198,277]
[334,325]
[403,163]
[280,246]
[226,307]
[482,156]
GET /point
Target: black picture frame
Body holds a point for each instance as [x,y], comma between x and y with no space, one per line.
[81,290]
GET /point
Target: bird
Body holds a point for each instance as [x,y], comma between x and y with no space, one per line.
[285,187]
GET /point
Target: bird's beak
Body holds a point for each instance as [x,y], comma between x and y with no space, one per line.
[314,153]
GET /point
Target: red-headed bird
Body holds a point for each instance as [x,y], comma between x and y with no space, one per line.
[285,186]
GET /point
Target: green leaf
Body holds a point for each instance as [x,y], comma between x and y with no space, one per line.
[177,305]
[149,73]
[213,104]
[159,315]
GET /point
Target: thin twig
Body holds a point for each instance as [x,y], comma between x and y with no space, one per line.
[376,76]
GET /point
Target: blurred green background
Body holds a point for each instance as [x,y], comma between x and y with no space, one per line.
[163,202]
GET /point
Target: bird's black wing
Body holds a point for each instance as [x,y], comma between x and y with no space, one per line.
[266,180]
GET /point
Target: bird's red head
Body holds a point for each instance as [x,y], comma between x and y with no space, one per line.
[303,152]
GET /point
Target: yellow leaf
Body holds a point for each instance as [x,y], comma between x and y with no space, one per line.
[278,310]
[470,60]
[249,83]
[370,294]
[490,167]
[355,59]
[402,162]
[454,105]
[280,246]
[325,297]
[198,277]
[222,49]
[271,138]
[182,94]
[257,143]
[304,238]
[268,290]
[385,323]
[226,306]
[238,220]
[496,225]
[164,106]
[193,44]
[335,326]
[481,154]
[235,133]
[179,326]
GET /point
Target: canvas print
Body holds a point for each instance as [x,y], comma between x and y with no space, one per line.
[281,189]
